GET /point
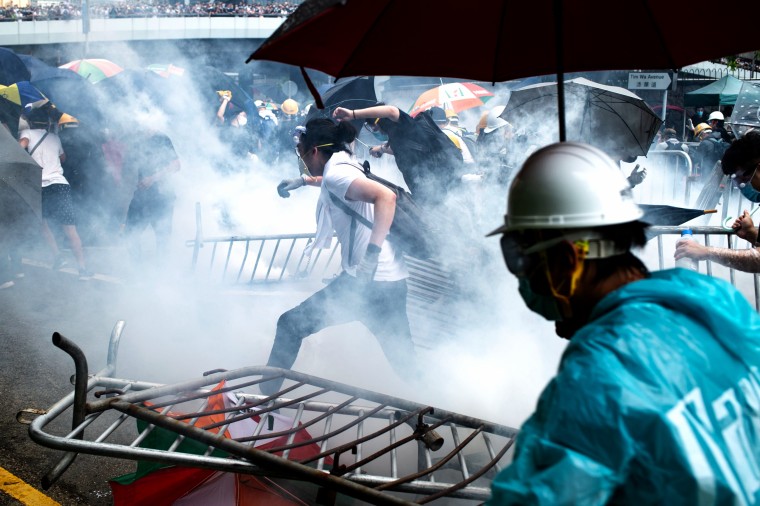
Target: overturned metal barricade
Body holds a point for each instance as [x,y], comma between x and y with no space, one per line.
[365,445]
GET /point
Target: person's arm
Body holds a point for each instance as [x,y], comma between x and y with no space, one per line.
[384,200]
[745,260]
[379,111]
[148,181]
[222,109]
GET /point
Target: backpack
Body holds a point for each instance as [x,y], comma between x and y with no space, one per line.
[410,231]
[438,141]
[719,147]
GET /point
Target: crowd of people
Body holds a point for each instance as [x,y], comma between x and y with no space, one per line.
[139,9]
[656,397]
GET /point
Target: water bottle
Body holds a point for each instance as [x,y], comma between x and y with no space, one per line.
[687,263]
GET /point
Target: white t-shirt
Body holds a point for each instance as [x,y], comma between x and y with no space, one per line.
[47,155]
[341,170]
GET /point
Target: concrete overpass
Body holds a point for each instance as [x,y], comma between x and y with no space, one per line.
[33,33]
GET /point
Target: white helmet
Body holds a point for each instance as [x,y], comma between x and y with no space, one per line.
[494,122]
[716,115]
[568,186]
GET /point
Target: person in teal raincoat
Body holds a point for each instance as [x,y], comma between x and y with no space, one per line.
[657,397]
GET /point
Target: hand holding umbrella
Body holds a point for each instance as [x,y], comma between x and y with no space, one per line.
[745,227]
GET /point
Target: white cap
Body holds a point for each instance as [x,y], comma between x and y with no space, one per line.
[494,121]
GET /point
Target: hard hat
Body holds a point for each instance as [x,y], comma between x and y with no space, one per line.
[699,129]
[258,103]
[68,121]
[568,185]
[494,122]
[290,107]
[716,115]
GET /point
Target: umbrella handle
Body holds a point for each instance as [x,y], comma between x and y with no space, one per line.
[729,220]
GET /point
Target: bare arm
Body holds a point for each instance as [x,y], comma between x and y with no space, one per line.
[379,111]
[312,180]
[384,200]
[222,109]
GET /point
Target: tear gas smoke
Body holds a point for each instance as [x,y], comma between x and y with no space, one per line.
[180,323]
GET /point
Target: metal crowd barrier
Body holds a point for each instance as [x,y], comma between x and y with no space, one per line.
[262,259]
[670,178]
[666,237]
[344,440]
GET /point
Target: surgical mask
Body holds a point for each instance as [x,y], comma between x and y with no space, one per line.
[750,193]
[545,305]
[242,120]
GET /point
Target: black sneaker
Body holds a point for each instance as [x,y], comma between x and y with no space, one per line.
[59,263]
[85,275]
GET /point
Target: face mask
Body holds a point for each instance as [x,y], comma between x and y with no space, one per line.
[545,305]
[750,193]
[242,120]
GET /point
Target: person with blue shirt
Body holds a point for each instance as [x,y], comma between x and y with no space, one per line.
[657,396]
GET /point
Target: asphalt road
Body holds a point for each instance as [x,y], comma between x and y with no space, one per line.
[36,374]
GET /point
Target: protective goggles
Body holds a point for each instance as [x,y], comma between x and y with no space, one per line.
[373,126]
[522,260]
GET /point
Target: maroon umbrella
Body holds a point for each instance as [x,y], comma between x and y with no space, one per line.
[501,40]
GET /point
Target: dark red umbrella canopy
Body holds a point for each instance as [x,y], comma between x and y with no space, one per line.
[501,40]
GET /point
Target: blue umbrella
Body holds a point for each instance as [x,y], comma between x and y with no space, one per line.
[12,69]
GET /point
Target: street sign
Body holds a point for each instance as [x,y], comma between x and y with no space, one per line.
[649,81]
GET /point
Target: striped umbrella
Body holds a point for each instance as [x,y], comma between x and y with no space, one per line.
[94,69]
[453,96]
[166,69]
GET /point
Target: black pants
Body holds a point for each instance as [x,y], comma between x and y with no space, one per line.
[380,306]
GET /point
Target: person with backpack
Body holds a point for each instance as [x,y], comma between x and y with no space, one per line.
[39,139]
[709,151]
[372,286]
[430,163]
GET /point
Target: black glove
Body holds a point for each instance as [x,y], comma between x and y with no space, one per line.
[366,269]
[283,189]
[637,176]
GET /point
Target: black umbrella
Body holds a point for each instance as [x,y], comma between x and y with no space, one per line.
[20,188]
[209,80]
[662,215]
[352,93]
[69,92]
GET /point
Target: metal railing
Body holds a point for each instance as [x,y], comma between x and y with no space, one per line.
[669,178]
[262,259]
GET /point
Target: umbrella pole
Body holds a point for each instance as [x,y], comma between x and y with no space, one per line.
[560,69]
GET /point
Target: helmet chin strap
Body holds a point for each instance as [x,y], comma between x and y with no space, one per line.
[580,249]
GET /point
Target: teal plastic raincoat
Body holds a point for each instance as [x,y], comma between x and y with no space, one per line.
[657,401]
